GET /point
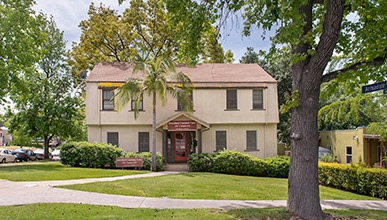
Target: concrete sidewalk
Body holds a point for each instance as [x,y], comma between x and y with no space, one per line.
[21,193]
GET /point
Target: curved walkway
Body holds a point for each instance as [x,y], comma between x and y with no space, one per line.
[21,193]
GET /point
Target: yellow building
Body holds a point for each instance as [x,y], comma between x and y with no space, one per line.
[353,145]
[235,107]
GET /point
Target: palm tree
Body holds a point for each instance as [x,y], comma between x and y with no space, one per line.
[158,78]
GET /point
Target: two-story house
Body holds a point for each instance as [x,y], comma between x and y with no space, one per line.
[235,107]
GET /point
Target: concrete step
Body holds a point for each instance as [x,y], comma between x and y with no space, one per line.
[177,167]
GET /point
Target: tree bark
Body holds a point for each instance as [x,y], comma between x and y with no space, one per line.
[153,165]
[303,185]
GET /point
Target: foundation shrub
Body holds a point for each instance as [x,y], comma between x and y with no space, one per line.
[233,162]
[84,154]
[358,179]
[277,166]
[147,160]
[201,162]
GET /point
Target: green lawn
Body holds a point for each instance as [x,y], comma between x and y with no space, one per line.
[208,186]
[65,211]
[55,171]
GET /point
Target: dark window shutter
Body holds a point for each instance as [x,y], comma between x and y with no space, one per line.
[251,140]
[143,141]
[221,140]
[232,102]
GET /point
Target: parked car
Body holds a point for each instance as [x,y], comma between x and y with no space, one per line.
[55,154]
[40,154]
[6,156]
[25,155]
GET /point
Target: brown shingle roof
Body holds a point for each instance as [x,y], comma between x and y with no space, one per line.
[201,73]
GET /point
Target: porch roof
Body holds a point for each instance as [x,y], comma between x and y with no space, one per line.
[180,116]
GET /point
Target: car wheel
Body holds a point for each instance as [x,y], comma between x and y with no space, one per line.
[3,160]
[15,160]
[27,159]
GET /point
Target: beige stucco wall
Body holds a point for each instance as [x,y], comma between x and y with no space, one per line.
[340,139]
[209,107]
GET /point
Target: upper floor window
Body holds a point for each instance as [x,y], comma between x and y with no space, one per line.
[258,99]
[112,138]
[140,104]
[232,100]
[180,106]
[107,102]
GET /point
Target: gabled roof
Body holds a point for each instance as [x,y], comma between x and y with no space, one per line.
[201,74]
[181,116]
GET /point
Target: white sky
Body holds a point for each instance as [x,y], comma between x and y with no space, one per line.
[69,13]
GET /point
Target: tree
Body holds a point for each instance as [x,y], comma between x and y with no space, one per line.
[45,106]
[19,47]
[159,79]
[314,30]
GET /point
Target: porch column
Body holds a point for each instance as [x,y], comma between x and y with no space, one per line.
[381,154]
[369,151]
[164,145]
[199,141]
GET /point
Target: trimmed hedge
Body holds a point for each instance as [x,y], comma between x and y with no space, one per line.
[84,154]
[147,160]
[234,162]
[357,179]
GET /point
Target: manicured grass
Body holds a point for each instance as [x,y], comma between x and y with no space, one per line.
[207,186]
[82,211]
[56,171]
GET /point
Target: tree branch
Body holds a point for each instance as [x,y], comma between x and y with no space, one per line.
[375,62]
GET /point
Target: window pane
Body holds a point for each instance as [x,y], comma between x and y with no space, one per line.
[143,141]
[221,140]
[232,102]
[257,99]
[180,106]
[251,140]
[140,105]
[112,138]
[106,97]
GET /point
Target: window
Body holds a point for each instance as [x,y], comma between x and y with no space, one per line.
[140,104]
[112,138]
[348,154]
[107,103]
[251,140]
[180,106]
[232,101]
[221,140]
[143,141]
[257,99]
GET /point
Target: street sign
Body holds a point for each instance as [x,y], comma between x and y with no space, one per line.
[375,87]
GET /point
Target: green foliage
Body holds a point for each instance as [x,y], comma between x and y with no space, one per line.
[277,166]
[84,154]
[379,128]
[292,101]
[201,162]
[327,158]
[358,179]
[234,162]
[147,160]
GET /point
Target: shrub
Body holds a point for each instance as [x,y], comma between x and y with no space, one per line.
[84,154]
[201,162]
[232,162]
[327,158]
[277,166]
[358,179]
[147,160]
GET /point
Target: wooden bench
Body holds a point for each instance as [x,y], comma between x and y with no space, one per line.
[128,162]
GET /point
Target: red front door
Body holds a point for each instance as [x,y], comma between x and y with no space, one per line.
[180,148]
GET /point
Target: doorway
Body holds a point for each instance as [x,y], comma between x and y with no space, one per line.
[180,151]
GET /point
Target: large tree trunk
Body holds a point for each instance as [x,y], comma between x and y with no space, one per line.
[303,186]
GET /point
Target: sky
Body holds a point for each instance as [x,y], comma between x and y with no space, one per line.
[69,13]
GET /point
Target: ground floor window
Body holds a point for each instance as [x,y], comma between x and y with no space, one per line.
[221,140]
[143,142]
[112,138]
[251,140]
[348,154]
